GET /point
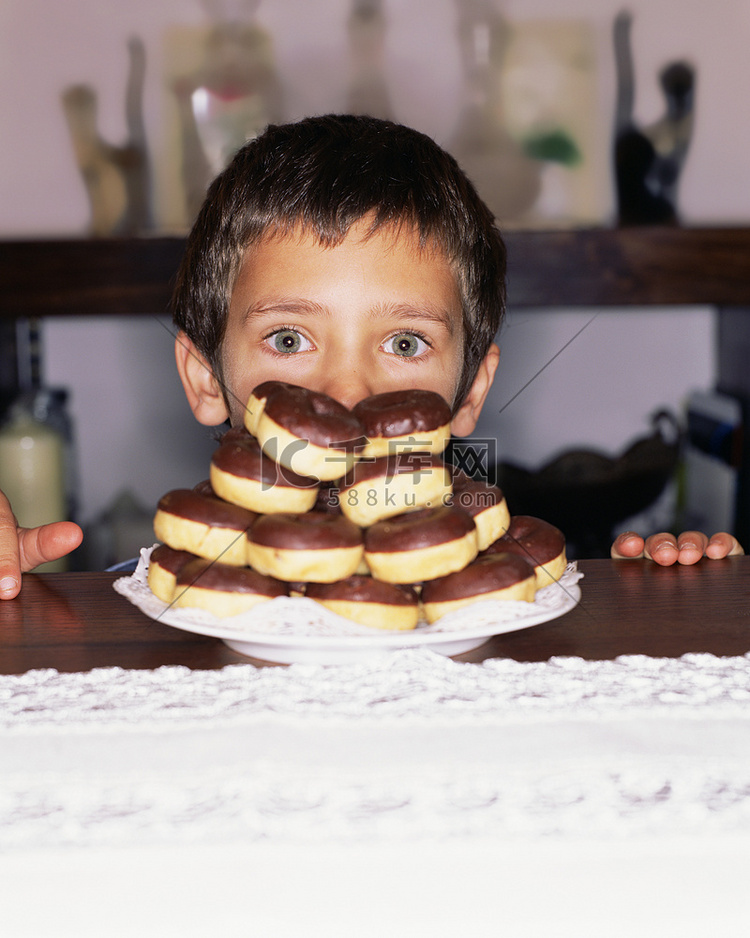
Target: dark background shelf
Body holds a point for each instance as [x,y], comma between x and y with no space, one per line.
[606,267]
[588,267]
[629,267]
[88,277]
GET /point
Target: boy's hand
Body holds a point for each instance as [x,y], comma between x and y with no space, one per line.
[22,549]
[665,549]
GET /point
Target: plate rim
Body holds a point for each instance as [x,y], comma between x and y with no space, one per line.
[379,639]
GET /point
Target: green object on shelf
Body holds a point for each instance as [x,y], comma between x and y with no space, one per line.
[553,146]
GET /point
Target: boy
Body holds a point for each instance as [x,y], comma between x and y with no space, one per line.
[348,255]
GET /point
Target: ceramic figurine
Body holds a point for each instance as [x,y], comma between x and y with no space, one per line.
[116,177]
[648,160]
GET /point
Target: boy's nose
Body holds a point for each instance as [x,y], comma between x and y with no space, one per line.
[348,386]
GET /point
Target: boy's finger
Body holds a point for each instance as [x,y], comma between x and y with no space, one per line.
[723,545]
[691,546]
[10,563]
[48,542]
[627,546]
[662,548]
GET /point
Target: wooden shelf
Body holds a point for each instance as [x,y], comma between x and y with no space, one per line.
[588,267]
[88,277]
[629,267]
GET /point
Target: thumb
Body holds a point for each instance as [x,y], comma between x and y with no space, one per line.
[46,543]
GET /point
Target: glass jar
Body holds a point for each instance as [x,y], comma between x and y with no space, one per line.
[36,461]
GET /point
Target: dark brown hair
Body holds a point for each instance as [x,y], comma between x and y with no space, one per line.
[326,173]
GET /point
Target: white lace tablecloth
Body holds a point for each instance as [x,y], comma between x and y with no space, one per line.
[405,795]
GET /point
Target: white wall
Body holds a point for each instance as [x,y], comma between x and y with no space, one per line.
[48,45]
[599,392]
[601,389]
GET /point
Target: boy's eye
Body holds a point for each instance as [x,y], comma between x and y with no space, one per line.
[288,341]
[405,344]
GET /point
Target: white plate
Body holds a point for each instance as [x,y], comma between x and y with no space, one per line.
[296,630]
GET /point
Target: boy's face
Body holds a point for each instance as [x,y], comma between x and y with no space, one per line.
[366,316]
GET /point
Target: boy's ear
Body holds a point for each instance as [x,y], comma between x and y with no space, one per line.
[201,387]
[468,413]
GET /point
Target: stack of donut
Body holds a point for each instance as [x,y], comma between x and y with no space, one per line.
[355,509]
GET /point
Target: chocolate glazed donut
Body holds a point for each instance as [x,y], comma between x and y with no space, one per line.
[222,589]
[163,567]
[369,602]
[243,474]
[411,420]
[420,545]
[314,546]
[306,431]
[492,576]
[540,542]
[486,504]
[204,525]
[380,488]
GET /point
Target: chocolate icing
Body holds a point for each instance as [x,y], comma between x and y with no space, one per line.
[485,575]
[311,416]
[364,589]
[210,575]
[536,540]
[310,530]
[169,559]
[205,488]
[239,454]
[402,413]
[233,434]
[474,496]
[413,530]
[205,509]
[389,466]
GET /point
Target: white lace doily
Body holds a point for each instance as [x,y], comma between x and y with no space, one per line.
[410,746]
[293,630]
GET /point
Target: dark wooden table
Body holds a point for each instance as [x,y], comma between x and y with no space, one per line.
[76,621]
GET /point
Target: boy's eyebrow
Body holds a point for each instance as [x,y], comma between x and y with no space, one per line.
[424,312]
[271,306]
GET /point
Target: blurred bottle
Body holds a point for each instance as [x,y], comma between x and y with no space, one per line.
[37,454]
[119,532]
[34,460]
[368,89]
[506,178]
[229,98]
